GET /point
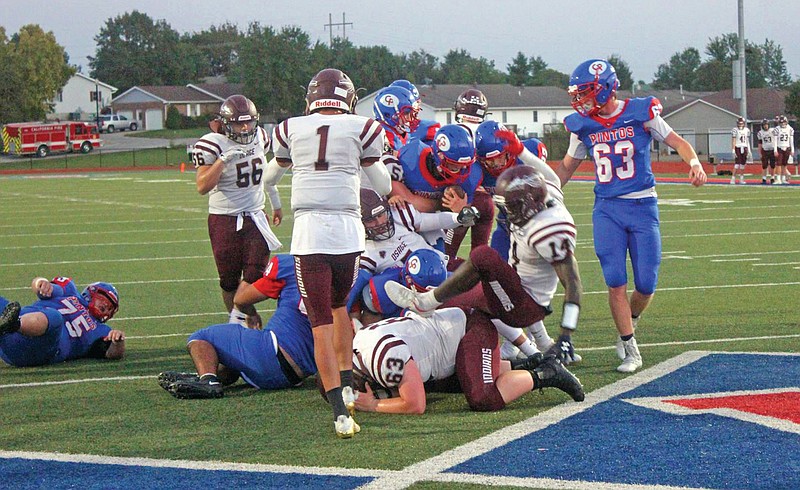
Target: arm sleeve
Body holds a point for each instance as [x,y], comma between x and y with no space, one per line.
[532,160]
[444,220]
[658,128]
[379,177]
[274,173]
[577,149]
[274,197]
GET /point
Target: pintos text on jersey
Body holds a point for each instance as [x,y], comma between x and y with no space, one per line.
[615,134]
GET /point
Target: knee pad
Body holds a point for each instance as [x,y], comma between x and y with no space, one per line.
[229,282]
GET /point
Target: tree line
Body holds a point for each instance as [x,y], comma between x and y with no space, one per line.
[275,64]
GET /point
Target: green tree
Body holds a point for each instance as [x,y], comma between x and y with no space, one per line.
[792,100]
[680,71]
[421,67]
[33,68]
[550,78]
[713,76]
[775,72]
[460,67]
[624,74]
[132,49]
[218,48]
[519,70]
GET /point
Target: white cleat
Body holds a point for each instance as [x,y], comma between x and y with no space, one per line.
[349,396]
[510,351]
[633,359]
[345,427]
[404,298]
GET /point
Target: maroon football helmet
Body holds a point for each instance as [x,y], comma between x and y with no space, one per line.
[521,192]
[376,216]
[239,110]
[331,89]
[471,106]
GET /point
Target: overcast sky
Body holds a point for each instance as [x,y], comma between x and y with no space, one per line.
[645,33]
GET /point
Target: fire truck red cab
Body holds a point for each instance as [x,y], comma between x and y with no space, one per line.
[40,139]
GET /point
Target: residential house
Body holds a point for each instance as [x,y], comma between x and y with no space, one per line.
[80,99]
[149,103]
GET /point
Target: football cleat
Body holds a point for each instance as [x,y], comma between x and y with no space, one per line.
[550,373]
[166,378]
[405,298]
[510,351]
[349,396]
[191,389]
[9,318]
[345,427]
[633,359]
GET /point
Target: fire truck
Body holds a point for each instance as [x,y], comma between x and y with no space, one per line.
[36,138]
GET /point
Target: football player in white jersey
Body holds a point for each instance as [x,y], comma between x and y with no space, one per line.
[740,146]
[784,148]
[541,255]
[327,149]
[766,146]
[398,356]
[230,163]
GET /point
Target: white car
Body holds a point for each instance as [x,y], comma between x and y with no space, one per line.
[114,122]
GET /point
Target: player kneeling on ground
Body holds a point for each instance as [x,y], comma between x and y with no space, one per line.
[279,356]
[397,356]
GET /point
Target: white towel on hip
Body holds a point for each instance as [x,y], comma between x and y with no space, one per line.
[260,219]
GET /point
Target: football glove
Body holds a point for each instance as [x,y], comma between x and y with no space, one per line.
[468,216]
[234,153]
[512,143]
[563,349]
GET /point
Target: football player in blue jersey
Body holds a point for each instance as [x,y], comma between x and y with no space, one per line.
[617,136]
[495,155]
[279,356]
[421,129]
[64,324]
[394,108]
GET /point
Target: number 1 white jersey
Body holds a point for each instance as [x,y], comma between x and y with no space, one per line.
[326,153]
[240,187]
[382,350]
[545,239]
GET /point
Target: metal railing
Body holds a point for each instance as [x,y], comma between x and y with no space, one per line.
[100,159]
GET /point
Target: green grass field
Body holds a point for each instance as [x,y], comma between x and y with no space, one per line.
[730,280]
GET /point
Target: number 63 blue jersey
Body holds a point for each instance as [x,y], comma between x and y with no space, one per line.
[620,146]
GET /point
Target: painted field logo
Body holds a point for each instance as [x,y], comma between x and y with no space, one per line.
[777,409]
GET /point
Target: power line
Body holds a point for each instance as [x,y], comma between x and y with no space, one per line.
[343,24]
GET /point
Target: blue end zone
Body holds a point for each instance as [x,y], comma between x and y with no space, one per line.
[620,443]
[24,474]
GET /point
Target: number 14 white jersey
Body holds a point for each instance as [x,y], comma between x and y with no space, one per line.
[545,239]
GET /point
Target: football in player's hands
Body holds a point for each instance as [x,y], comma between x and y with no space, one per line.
[454,198]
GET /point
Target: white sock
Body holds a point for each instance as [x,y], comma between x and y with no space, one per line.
[237,316]
[538,333]
[427,301]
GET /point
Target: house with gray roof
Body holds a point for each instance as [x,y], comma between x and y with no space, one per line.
[149,103]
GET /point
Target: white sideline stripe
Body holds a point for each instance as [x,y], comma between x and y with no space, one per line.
[84,261]
[106,244]
[102,232]
[751,259]
[722,286]
[777,263]
[73,381]
[433,468]
[195,465]
[695,342]
[125,283]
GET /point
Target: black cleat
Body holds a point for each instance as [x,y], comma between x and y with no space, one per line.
[168,377]
[529,363]
[552,374]
[9,318]
[191,389]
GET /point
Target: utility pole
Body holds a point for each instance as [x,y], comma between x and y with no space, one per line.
[330,26]
[742,64]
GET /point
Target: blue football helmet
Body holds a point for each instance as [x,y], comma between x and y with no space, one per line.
[592,84]
[394,106]
[453,151]
[424,270]
[415,96]
[491,150]
[108,291]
